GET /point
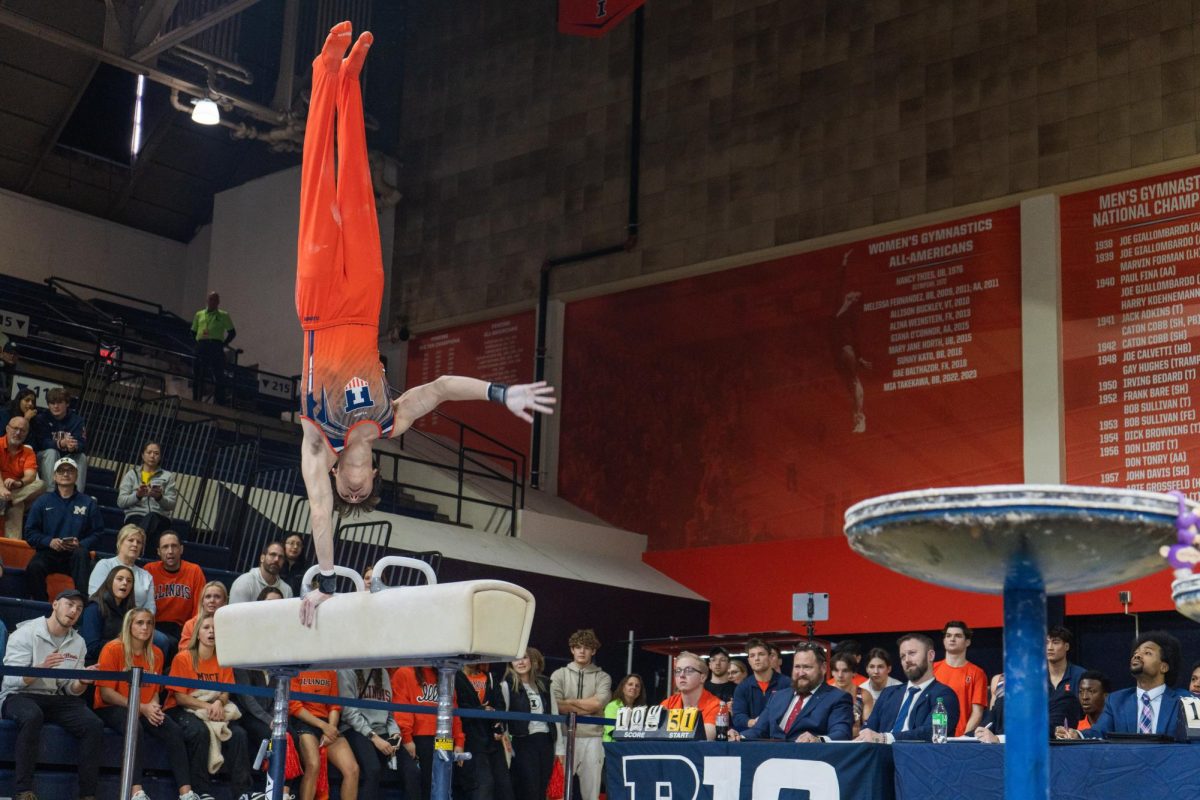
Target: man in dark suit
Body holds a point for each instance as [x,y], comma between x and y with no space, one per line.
[905,712]
[1152,706]
[812,711]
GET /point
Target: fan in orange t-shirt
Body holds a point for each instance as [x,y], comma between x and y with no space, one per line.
[195,709]
[178,585]
[134,648]
[314,725]
[968,681]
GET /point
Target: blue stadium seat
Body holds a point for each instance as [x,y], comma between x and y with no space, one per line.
[15,610]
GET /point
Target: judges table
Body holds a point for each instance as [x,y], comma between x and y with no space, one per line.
[748,771]
[905,771]
[1077,771]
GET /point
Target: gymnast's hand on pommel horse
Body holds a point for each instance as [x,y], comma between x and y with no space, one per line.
[347,403]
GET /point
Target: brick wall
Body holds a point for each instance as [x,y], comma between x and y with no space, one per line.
[766,122]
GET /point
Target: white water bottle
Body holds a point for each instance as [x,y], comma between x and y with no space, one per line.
[939,722]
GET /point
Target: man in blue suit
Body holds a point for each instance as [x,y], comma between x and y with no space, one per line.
[905,713]
[1152,706]
[811,711]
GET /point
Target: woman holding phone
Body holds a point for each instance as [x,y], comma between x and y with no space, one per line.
[148,494]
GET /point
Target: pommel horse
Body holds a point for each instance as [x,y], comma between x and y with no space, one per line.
[444,625]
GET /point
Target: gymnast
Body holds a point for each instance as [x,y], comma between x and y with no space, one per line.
[347,403]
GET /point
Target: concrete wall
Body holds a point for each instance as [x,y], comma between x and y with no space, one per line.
[43,240]
[766,122]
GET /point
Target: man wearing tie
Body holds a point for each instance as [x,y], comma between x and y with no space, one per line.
[813,711]
[905,712]
[1152,706]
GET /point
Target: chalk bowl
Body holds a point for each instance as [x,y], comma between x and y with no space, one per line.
[1078,538]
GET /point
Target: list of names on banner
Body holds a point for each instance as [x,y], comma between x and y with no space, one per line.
[1131,265]
[936,281]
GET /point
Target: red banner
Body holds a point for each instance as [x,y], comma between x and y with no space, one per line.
[1130,322]
[593,17]
[500,351]
[755,405]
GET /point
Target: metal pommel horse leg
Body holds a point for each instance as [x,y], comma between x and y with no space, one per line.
[278,750]
[444,757]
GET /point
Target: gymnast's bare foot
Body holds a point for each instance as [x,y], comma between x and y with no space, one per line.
[352,65]
[335,46]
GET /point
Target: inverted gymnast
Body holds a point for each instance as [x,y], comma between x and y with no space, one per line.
[347,403]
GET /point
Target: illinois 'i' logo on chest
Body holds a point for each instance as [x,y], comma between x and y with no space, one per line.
[358,394]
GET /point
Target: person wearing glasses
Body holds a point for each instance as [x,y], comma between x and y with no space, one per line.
[19,482]
[811,711]
[690,673]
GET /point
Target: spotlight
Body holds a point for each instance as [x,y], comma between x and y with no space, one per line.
[206,112]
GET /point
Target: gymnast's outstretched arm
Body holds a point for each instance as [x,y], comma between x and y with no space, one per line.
[315,463]
[523,399]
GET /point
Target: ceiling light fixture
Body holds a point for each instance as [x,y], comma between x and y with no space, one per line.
[206,112]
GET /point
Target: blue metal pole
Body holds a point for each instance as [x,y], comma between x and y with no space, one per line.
[278,751]
[443,740]
[1026,723]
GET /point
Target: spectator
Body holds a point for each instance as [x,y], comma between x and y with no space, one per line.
[104,615]
[197,711]
[247,586]
[527,691]
[212,596]
[148,494]
[853,649]
[904,713]
[314,725]
[1094,688]
[213,329]
[58,432]
[1152,705]
[178,585]
[135,648]
[690,673]
[131,540]
[752,694]
[738,672]
[966,679]
[630,693]
[63,527]
[879,672]
[19,482]
[9,356]
[24,405]
[418,686]
[270,593]
[775,657]
[1194,680]
[294,566]
[1063,674]
[372,734]
[718,682]
[809,710]
[50,643]
[843,678]
[476,689]
[581,687]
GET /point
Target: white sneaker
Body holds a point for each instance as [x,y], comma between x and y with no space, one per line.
[140,795]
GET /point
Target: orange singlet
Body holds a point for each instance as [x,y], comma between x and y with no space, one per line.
[339,263]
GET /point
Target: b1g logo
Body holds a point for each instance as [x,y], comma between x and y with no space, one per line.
[672,777]
[358,394]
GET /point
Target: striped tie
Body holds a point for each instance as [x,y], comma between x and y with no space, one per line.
[1146,718]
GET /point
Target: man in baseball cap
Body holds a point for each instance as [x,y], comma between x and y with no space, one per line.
[62,527]
[50,643]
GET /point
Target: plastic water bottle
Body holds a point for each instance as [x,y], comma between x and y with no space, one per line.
[939,722]
[722,722]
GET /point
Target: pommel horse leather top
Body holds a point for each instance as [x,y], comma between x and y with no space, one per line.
[467,621]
